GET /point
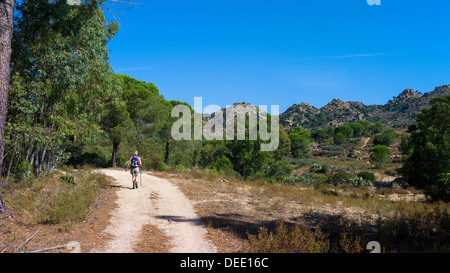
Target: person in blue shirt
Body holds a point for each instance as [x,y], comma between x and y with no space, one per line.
[135,163]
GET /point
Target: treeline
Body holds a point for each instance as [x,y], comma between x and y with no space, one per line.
[343,133]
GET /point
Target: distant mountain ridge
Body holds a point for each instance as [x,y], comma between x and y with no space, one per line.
[400,110]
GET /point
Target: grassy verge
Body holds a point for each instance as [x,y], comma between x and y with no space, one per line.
[58,199]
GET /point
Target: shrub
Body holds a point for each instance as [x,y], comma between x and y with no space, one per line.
[280,169]
[414,228]
[339,178]
[180,167]
[68,178]
[21,171]
[320,168]
[330,150]
[368,176]
[224,165]
[285,239]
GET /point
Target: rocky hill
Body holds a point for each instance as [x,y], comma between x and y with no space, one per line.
[400,110]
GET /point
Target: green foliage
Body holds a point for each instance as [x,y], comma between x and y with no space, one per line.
[367,176]
[299,139]
[279,169]
[386,138]
[380,155]
[428,158]
[345,130]
[339,138]
[223,164]
[284,148]
[323,134]
[405,146]
[60,78]
[358,129]
[377,128]
[68,178]
[321,168]
[329,150]
[339,178]
[21,171]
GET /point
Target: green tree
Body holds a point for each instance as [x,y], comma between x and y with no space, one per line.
[61,75]
[323,134]
[358,129]
[377,128]
[136,114]
[299,138]
[386,138]
[284,148]
[339,138]
[165,134]
[117,123]
[380,155]
[346,130]
[428,160]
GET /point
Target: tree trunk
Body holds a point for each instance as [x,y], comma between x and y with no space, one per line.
[167,151]
[115,153]
[6,31]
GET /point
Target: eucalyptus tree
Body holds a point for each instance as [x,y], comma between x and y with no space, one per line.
[61,76]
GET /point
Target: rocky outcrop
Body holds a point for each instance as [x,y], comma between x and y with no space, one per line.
[400,110]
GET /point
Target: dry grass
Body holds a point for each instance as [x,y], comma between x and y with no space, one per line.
[68,221]
[232,208]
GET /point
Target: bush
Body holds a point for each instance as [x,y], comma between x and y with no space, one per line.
[285,239]
[320,168]
[330,150]
[68,178]
[368,176]
[21,171]
[415,228]
[339,178]
[280,169]
[180,167]
[224,165]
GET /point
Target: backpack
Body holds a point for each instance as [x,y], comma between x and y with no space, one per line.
[135,161]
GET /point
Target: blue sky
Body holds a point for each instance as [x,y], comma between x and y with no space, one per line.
[285,52]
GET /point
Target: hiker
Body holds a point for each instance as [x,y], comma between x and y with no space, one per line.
[135,162]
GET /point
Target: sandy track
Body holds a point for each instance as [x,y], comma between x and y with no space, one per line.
[156,202]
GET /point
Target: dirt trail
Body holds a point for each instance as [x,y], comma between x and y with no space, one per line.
[156,202]
[364,141]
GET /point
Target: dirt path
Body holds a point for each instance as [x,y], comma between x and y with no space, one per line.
[157,202]
[364,141]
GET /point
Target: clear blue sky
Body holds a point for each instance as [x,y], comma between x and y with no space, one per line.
[285,52]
